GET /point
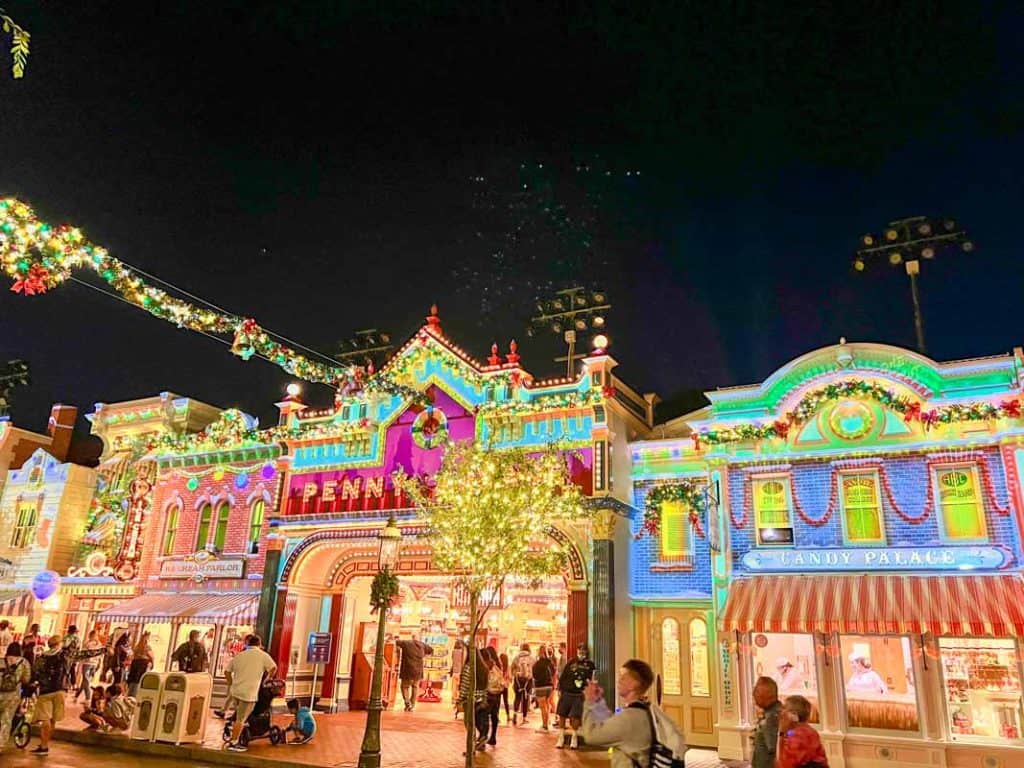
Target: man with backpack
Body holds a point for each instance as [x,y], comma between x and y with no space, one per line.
[190,656]
[641,735]
[522,683]
[49,672]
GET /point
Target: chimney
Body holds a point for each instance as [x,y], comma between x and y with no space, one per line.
[60,428]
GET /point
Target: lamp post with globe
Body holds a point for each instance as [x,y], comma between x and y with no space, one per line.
[384,589]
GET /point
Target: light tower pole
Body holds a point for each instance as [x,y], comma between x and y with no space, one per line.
[571,311]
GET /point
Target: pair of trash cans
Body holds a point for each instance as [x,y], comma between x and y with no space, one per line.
[172,707]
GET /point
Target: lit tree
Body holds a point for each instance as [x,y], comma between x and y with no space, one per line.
[488,514]
[19,44]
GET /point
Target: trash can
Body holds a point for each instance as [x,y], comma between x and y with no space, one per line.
[183,707]
[150,690]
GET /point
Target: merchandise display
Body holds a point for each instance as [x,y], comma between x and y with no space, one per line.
[983,687]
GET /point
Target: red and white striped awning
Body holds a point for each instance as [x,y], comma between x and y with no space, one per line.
[232,608]
[878,604]
[15,602]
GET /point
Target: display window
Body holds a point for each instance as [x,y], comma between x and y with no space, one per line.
[862,508]
[962,512]
[983,687]
[231,645]
[878,674]
[159,641]
[700,671]
[773,511]
[789,661]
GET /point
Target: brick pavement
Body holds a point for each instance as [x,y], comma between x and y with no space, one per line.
[427,738]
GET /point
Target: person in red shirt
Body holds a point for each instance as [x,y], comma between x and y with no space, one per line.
[799,744]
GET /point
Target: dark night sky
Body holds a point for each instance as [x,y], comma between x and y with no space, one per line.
[326,167]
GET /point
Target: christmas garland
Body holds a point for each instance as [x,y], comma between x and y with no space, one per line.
[683,491]
[813,401]
[383,590]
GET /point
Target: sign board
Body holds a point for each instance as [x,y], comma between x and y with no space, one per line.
[318,649]
[876,559]
[210,569]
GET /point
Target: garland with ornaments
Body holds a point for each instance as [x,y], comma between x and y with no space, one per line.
[688,493]
[813,401]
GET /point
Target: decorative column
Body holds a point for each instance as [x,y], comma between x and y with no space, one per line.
[331,668]
[274,547]
[576,629]
[603,600]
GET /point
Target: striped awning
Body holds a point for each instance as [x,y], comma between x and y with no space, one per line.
[882,604]
[15,602]
[236,608]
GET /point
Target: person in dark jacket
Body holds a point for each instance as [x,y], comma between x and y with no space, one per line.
[481,712]
[411,671]
[190,656]
[543,684]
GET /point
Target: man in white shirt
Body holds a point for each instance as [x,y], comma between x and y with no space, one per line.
[244,675]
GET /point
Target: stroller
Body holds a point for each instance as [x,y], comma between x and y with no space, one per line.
[259,724]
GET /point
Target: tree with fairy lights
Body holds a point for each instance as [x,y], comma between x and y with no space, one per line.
[488,513]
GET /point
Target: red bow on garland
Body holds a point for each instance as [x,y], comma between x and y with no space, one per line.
[1010,408]
[913,413]
[34,282]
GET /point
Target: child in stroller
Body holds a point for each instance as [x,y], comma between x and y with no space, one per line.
[259,724]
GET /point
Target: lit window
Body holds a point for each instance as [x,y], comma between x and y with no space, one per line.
[675,531]
[879,681]
[862,509]
[671,672]
[962,511]
[220,535]
[203,533]
[700,671]
[789,661]
[255,525]
[25,529]
[983,688]
[772,513]
[171,531]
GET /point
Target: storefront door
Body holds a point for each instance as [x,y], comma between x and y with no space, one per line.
[679,652]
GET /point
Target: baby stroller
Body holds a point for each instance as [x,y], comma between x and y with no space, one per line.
[259,725]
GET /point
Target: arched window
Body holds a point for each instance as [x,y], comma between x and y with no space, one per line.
[255,525]
[671,671]
[700,672]
[203,531]
[220,535]
[171,529]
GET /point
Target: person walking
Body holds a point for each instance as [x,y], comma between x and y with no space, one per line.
[122,658]
[543,675]
[244,675]
[411,670]
[72,644]
[496,683]
[15,672]
[571,683]
[142,661]
[29,641]
[190,656]
[87,666]
[522,683]
[799,744]
[49,672]
[455,672]
[506,674]
[627,732]
[481,710]
[766,734]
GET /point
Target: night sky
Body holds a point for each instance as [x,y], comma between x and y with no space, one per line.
[327,167]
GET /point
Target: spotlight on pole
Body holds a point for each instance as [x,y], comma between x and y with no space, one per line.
[572,311]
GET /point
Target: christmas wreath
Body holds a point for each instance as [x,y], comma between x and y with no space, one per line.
[686,492]
[430,428]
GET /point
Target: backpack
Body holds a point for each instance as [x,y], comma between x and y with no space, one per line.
[495,680]
[52,672]
[524,666]
[668,745]
[10,677]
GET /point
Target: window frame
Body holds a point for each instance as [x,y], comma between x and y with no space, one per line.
[914,683]
[685,550]
[171,525]
[259,504]
[970,468]
[677,661]
[707,656]
[24,529]
[203,525]
[847,538]
[221,524]
[787,484]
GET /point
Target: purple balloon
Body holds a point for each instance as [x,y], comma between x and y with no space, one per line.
[45,584]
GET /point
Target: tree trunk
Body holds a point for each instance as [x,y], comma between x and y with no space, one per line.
[469,710]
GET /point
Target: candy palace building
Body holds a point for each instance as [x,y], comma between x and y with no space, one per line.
[851,527]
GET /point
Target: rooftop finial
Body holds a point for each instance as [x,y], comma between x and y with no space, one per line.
[433,321]
[512,357]
[495,358]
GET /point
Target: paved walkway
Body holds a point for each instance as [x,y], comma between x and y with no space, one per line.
[427,738]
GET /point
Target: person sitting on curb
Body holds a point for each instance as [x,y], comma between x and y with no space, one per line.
[119,709]
[303,725]
[92,714]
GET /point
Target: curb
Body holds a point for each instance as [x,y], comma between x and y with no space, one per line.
[184,754]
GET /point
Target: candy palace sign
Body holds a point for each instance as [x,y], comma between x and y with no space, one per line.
[876,558]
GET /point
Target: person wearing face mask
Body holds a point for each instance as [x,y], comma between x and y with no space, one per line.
[578,672]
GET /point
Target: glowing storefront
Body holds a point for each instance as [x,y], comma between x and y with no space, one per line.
[864,551]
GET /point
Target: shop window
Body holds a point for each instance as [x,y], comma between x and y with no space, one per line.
[675,530]
[983,687]
[205,631]
[203,531]
[789,661]
[171,529]
[700,671]
[231,645]
[772,511]
[25,528]
[862,508]
[220,533]
[879,682]
[255,525]
[962,510]
[671,664]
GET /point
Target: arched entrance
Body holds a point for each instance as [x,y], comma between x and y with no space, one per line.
[324,587]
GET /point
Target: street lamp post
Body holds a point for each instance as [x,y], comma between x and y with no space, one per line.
[384,588]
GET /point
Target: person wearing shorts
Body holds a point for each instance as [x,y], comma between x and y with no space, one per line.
[571,684]
[244,675]
[49,672]
[543,685]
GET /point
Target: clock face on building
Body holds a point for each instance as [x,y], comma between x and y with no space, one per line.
[851,419]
